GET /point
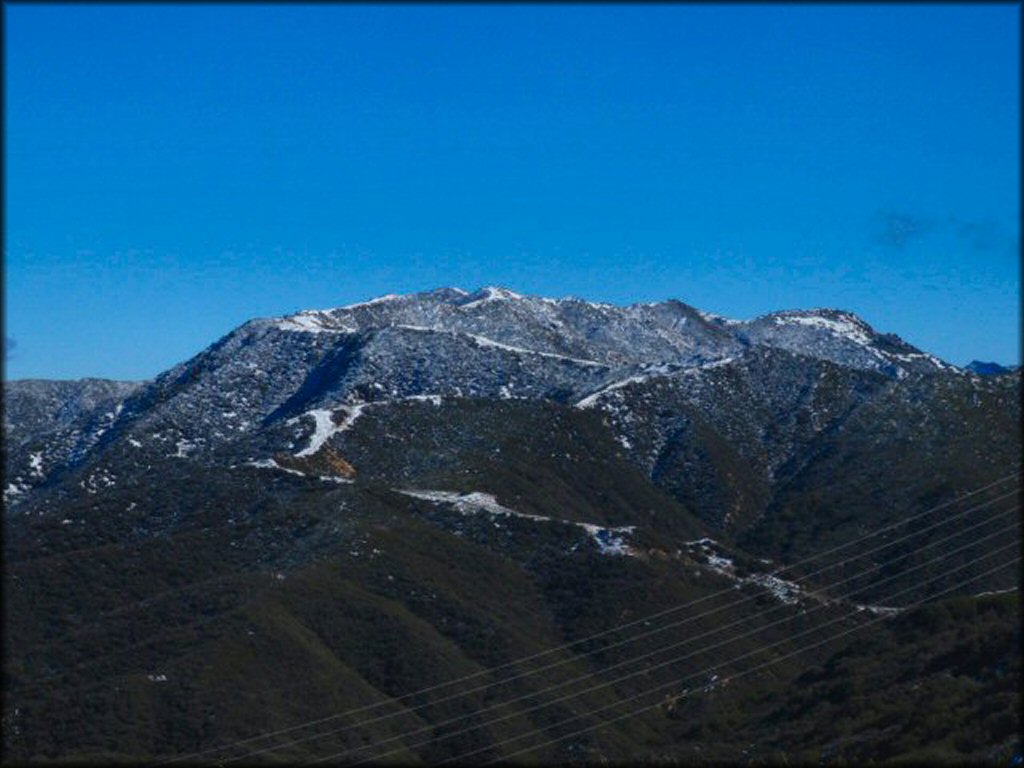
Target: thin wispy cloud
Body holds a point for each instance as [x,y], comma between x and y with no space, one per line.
[897,229]
[984,235]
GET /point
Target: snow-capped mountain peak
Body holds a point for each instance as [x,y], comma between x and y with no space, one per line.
[837,322]
[489,293]
[379,300]
[492,343]
[639,334]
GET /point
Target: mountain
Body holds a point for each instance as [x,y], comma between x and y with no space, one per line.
[335,508]
[988,369]
[62,419]
[491,343]
[668,332]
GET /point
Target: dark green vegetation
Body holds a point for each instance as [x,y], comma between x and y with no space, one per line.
[936,685]
[192,604]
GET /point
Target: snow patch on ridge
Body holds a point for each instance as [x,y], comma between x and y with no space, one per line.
[271,464]
[388,297]
[996,592]
[711,317]
[483,341]
[324,426]
[432,399]
[649,373]
[844,326]
[788,592]
[879,610]
[912,356]
[469,502]
[608,543]
[591,400]
[490,293]
[851,328]
[310,321]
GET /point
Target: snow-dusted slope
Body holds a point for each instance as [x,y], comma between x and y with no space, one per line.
[48,424]
[665,332]
[843,338]
[491,343]
[572,328]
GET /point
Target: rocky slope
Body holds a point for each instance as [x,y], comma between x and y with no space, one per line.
[491,343]
[51,424]
[385,496]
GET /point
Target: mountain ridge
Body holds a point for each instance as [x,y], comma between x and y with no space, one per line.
[445,307]
[446,341]
[253,395]
[315,513]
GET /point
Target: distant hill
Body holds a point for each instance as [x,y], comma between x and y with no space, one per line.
[988,369]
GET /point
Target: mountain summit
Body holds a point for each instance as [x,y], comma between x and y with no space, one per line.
[668,332]
[273,373]
[341,507]
[988,369]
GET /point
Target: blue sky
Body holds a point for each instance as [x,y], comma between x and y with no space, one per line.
[172,171]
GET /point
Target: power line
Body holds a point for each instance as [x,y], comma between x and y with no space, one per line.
[645,671]
[731,677]
[392,701]
[627,661]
